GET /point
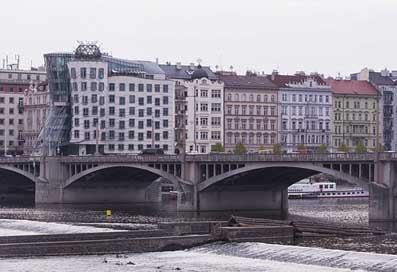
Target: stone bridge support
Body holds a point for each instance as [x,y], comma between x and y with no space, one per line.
[383,192]
[49,188]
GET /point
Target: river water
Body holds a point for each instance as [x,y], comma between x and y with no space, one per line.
[376,253]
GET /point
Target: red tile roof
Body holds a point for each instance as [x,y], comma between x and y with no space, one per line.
[284,80]
[355,87]
[248,82]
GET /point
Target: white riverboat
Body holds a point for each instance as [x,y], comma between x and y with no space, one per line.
[306,189]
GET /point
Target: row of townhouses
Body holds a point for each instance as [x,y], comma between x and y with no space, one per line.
[88,102]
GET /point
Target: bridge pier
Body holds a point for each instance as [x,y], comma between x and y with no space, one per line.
[383,192]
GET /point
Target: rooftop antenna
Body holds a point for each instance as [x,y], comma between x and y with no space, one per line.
[199,61]
[231,68]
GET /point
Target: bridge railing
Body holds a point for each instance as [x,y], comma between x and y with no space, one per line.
[20,159]
[121,158]
[284,157]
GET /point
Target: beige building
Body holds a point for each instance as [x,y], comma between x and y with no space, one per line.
[356,114]
[36,105]
[251,112]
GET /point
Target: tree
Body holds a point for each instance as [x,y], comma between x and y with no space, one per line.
[240,149]
[322,149]
[343,148]
[301,147]
[277,149]
[218,147]
[360,147]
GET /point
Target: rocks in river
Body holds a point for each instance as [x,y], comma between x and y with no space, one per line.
[130,263]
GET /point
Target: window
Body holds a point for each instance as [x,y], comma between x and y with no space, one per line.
[157,101]
[141,113]
[76,133]
[149,99]
[132,87]
[165,100]
[203,107]
[111,98]
[122,100]
[140,87]
[122,87]
[93,73]
[111,111]
[215,121]
[131,123]
[165,88]
[165,112]
[157,88]
[141,101]
[73,73]
[215,135]
[132,111]
[101,73]
[111,87]
[149,88]
[131,134]
[132,99]
[216,93]
[165,123]
[83,72]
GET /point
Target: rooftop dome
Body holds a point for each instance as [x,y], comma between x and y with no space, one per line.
[199,73]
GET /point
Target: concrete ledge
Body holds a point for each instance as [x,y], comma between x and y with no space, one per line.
[184,228]
[257,233]
[80,236]
[105,246]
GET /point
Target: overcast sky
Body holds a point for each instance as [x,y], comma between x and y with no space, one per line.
[327,36]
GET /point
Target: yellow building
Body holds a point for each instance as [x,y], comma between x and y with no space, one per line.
[356,114]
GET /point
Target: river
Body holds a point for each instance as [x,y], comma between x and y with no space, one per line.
[325,254]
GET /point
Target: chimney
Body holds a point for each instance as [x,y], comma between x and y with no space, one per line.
[178,66]
[274,74]
[191,66]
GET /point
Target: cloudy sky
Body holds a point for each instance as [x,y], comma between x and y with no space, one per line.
[327,36]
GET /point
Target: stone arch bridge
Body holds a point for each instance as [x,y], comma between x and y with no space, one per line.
[204,182]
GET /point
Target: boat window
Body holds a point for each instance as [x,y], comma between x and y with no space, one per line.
[333,193]
[353,193]
[321,186]
[338,193]
[343,193]
[331,186]
[326,186]
[328,194]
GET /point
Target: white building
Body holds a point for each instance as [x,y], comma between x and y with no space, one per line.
[201,111]
[13,83]
[129,104]
[305,111]
[36,104]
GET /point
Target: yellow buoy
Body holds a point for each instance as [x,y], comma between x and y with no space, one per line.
[108,213]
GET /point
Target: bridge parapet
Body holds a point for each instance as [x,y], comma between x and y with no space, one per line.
[331,157]
[121,159]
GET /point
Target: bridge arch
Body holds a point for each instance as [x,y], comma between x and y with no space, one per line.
[175,180]
[23,173]
[303,166]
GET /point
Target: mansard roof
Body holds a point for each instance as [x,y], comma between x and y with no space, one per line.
[285,80]
[248,82]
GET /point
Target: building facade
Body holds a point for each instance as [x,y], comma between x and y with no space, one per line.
[305,110]
[388,102]
[356,114]
[251,112]
[36,104]
[199,107]
[120,106]
[13,83]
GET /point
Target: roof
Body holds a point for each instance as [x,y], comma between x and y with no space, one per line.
[185,71]
[250,82]
[355,87]
[378,79]
[284,80]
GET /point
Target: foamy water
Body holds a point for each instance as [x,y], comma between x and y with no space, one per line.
[26,227]
[245,257]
